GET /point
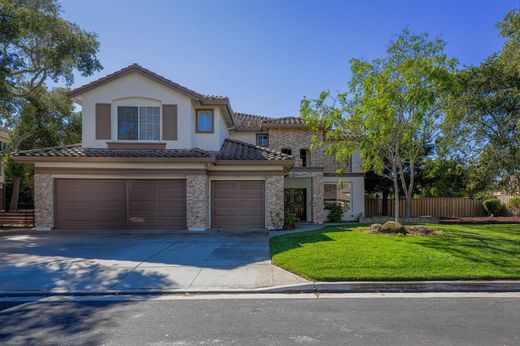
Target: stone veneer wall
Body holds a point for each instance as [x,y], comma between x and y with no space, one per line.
[43,201]
[317,198]
[296,139]
[274,198]
[197,202]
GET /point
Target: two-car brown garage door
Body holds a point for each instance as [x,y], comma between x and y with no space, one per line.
[237,204]
[120,204]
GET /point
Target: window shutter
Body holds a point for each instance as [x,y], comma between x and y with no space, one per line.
[103,121]
[169,122]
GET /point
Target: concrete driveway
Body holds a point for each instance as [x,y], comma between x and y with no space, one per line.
[88,262]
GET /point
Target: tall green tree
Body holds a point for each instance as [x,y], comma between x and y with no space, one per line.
[392,111]
[46,119]
[442,177]
[37,45]
[484,117]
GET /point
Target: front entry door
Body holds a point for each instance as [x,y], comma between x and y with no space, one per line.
[295,201]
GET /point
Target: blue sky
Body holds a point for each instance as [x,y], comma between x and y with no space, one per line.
[265,55]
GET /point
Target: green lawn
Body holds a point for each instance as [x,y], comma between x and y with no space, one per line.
[344,253]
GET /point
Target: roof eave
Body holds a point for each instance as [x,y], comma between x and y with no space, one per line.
[255,162]
[34,159]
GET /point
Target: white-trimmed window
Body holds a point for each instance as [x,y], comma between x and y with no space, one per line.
[139,123]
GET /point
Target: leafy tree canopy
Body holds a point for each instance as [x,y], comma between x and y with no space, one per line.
[37,45]
[484,117]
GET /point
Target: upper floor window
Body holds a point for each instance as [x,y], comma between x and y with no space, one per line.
[139,123]
[286,151]
[305,156]
[205,121]
[262,139]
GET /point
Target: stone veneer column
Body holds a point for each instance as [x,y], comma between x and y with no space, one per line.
[274,198]
[317,198]
[43,202]
[197,202]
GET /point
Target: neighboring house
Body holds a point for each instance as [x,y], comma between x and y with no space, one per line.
[4,139]
[156,155]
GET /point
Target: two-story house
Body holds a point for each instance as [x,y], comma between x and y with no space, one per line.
[157,155]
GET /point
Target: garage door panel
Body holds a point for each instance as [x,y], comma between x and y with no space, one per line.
[157,204]
[90,203]
[238,204]
[119,204]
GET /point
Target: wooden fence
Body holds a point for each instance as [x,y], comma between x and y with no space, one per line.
[18,219]
[436,207]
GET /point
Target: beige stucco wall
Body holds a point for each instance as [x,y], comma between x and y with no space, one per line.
[137,90]
[244,136]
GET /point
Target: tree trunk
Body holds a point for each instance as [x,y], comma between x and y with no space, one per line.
[408,206]
[384,209]
[13,206]
[396,192]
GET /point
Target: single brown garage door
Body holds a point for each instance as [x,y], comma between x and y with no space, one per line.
[120,204]
[237,204]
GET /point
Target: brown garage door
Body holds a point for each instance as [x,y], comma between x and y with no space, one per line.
[119,204]
[158,204]
[237,204]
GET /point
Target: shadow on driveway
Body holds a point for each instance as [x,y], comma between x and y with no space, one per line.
[66,261]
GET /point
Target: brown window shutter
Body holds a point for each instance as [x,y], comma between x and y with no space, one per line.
[169,122]
[103,121]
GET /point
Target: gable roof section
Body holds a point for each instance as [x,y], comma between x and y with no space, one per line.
[248,122]
[253,122]
[209,100]
[233,150]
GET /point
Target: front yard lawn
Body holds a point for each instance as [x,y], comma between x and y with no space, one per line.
[338,253]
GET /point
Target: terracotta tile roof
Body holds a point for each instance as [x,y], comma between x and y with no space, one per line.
[286,121]
[216,97]
[134,68]
[253,122]
[237,150]
[76,150]
[231,150]
[246,121]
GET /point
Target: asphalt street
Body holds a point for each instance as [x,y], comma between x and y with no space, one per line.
[281,321]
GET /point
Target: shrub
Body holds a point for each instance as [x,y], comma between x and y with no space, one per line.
[492,206]
[335,213]
[393,227]
[290,220]
[376,228]
[513,205]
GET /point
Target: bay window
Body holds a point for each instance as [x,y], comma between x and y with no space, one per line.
[337,194]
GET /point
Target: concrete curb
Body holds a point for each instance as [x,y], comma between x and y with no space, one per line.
[315,288]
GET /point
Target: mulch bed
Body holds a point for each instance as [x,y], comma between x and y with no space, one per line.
[480,219]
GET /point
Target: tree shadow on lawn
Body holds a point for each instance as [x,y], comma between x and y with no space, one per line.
[477,248]
[285,242]
[53,323]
